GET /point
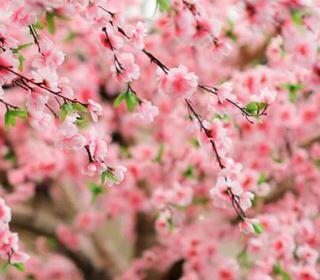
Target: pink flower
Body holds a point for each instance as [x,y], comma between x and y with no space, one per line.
[182,195]
[119,172]
[221,49]
[137,35]
[267,96]
[127,71]
[6,59]
[93,168]
[146,112]
[19,257]
[68,136]
[95,109]
[246,200]
[97,147]
[178,82]
[89,221]
[307,254]
[224,91]
[5,212]
[306,273]
[246,225]
[112,41]
[227,270]
[49,57]
[220,193]
[283,245]
[46,75]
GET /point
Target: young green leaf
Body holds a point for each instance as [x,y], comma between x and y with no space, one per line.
[108,175]
[189,172]
[21,60]
[262,179]
[20,47]
[159,156]
[278,270]
[19,266]
[131,101]
[120,98]
[258,228]
[293,90]
[65,109]
[20,113]
[51,23]
[297,17]
[10,116]
[96,190]
[79,107]
[38,25]
[164,5]
[252,108]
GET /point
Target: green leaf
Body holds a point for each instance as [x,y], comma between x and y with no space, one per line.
[243,258]
[278,270]
[20,47]
[82,122]
[252,108]
[5,267]
[159,156]
[96,190]
[297,17]
[120,98]
[70,37]
[9,119]
[258,228]
[10,116]
[189,172]
[131,101]
[262,179]
[38,25]
[124,151]
[68,108]
[20,113]
[195,142]
[51,23]
[65,109]
[229,32]
[21,60]
[293,90]
[108,175]
[19,266]
[200,200]
[261,106]
[164,5]
[79,107]
[52,242]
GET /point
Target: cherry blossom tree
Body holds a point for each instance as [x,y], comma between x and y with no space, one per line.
[178,144]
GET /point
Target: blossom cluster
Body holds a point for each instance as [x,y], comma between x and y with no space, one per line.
[185,144]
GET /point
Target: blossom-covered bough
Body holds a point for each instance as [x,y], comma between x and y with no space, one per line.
[183,146]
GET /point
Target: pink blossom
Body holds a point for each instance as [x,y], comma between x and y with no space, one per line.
[95,109]
[112,39]
[127,71]
[178,82]
[146,112]
[224,91]
[182,195]
[137,35]
[7,60]
[267,96]
[50,56]
[19,257]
